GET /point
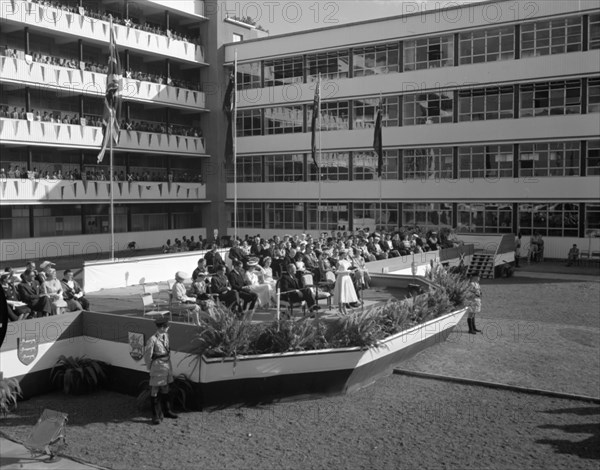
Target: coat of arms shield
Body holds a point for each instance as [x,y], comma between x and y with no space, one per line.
[27,349]
[136,345]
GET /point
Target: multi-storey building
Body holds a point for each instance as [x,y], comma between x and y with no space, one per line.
[491,116]
[54,196]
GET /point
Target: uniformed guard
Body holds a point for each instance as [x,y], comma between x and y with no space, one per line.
[158,361]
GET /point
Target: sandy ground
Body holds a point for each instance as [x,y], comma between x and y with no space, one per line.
[536,333]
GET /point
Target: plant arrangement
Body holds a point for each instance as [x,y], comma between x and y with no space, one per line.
[226,336]
[78,375]
[10,391]
[181,392]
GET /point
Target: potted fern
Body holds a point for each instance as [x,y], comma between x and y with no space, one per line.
[10,391]
[78,375]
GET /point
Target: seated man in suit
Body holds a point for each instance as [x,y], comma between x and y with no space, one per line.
[73,293]
[291,290]
[220,285]
[238,283]
[213,259]
[30,292]
[14,313]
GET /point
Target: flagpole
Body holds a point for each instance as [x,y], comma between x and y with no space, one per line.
[112,197]
[319,164]
[381,173]
[234,137]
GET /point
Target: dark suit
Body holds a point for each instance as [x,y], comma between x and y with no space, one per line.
[237,284]
[14,312]
[69,293]
[236,253]
[31,295]
[219,284]
[293,292]
[213,260]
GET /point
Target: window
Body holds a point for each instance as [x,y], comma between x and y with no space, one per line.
[364,165]
[549,159]
[593,157]
[14,222]
[284,71]
[330,65]
[334,116]
[285,215]
[54,221]
[594,31]
[334,166]
[551,37]
[248,75]
[97,220]
[486,103]
[237,37]
[554,98]
[427,163]
[484,218]
[144,217]
[592,220]
[330,216]
[550,220]
[187,216]
[428,53]
[249,215]
[427,108]
[593,105]
[284,120]
[427,215]
[365,112]
[487,45]
[284,167]
[249,122]
[249,169]
[376,60]
[491,161]
[373,216]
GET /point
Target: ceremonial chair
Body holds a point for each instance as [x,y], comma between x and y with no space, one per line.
[154,289]
[288,305]
[151,308]
[48,434]
[307,281]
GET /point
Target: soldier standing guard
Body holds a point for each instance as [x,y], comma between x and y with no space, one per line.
[158,361]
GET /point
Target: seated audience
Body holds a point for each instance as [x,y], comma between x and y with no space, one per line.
[179,293]
[291,290]
[73,293]
[53,289]
[240,285]
[220,285]
[31,293]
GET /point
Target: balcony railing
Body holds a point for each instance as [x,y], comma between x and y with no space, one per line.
[93,83]
[66,22]
[27,190]
[19,131]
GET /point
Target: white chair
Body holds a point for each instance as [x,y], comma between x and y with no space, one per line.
[288,305]
[150,309]
[307,281]
[154,289]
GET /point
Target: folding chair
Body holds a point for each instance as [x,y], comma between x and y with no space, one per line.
[150,307]
[154,289]
[307,281]
[47,433]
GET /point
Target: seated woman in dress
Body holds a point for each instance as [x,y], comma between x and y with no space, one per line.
[201,290]
[53,289]
[265,275]
[361,273]
[179,293]
[263,290]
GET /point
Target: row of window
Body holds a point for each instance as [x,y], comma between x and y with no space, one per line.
[549,219]
[545,37]
[469,162]
[61,220]
[479,104]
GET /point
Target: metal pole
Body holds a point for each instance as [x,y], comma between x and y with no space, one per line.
[319,164]
[234,137]
[112,198]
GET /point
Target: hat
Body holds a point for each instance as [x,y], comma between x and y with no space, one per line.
[46,264]
[160,321]
[201,274]
[180,275]
[252,262]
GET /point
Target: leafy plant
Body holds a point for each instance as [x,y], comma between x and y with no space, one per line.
[290,335]
[78,375]
[457,288]
[395,316]
[360,329]
[181,391]
[10,391]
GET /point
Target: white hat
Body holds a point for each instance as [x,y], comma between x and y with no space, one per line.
[180,275]
[46,264]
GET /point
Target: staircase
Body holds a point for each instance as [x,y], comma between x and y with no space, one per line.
[482,264]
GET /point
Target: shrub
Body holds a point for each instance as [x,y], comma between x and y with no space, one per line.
[78,375]
[395,316]
[181,392]
[360,329]
[457,288]
[10,391]
[290,335]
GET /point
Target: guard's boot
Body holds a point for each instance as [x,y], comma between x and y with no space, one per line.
[166,406]
[474,327]
[156,411]
[471,326]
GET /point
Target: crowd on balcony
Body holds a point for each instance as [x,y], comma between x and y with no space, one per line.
[100,174]
[117,19]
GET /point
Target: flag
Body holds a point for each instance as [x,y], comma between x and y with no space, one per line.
[315,116]
[112,99]
[229,107]
[377,141]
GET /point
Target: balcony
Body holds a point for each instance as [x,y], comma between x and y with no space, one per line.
[80,26]
[27,191]
[22,132]
[38,74]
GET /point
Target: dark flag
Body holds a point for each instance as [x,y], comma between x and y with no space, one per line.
[315,115]
[112,99]
[377,140]
[228,107]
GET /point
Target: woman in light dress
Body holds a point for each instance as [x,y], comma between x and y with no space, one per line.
[263,290]
[344,292]
[53,289]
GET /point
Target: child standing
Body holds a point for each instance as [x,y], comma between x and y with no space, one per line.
[475,306]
